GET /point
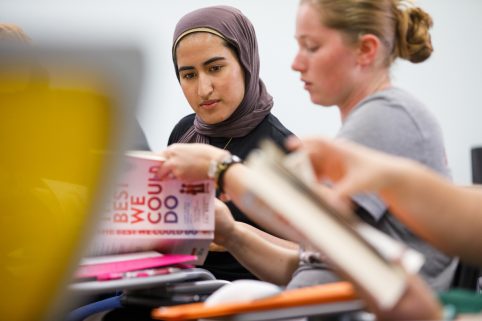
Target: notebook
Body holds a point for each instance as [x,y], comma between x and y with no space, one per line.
[130,262]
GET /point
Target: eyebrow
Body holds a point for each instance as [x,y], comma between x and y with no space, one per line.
[207,62]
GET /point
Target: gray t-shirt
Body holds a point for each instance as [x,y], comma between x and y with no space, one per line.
[393,121]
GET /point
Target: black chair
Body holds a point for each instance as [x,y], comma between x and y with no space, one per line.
[477,179]
[477,165]
[468,276]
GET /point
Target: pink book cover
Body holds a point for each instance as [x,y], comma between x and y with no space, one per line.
[120,266]
[146,213]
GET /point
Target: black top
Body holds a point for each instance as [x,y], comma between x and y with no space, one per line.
[222,264]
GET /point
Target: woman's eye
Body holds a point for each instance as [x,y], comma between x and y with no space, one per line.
[312,48]
[309,46]
[188,75]
[215,68]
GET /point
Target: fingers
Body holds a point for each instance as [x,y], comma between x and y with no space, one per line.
[338,202]
[176,157]
[350,186]
[214,247]
[293,143]
[339,161]
[165,170]
[220,205]
[224,197]
[309,143]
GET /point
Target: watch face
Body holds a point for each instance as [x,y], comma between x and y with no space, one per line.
[216,167]
[235,159]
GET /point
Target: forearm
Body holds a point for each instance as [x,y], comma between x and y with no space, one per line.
[273,239]
[236,180]
[268,261]
[448,216]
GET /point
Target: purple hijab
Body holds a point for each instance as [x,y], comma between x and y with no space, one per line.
[238,31]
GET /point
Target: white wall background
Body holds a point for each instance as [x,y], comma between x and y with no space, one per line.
[450,82]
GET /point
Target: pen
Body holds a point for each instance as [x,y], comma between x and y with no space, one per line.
[136,274]
[130,299]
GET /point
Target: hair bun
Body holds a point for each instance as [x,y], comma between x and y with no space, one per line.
[414,41]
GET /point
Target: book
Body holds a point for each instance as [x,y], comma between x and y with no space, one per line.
[146,213]
[106,268]
[284,196]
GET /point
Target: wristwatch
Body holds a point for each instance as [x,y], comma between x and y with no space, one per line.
[217,169]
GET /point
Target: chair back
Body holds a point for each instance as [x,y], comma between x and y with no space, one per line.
[476,154]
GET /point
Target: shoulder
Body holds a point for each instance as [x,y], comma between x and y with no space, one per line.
[269,128]
[390,112]
[395,122]
[180,128]
[272,126]
[389,102]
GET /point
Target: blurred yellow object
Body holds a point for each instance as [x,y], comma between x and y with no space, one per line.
[54,134]
[47,180]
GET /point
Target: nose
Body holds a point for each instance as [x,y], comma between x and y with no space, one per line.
[205,86]
[298,63]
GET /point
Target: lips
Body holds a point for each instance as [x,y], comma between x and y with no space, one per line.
[307,84]
[209,103]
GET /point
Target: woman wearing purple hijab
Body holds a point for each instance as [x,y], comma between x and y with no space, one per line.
[216,60]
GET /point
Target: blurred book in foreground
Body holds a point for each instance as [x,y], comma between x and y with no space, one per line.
[285,197]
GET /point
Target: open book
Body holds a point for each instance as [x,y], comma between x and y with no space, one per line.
[146,213]
[285,197]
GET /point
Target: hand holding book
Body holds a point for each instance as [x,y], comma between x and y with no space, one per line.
[189,161]
[353,168]
[344,239]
